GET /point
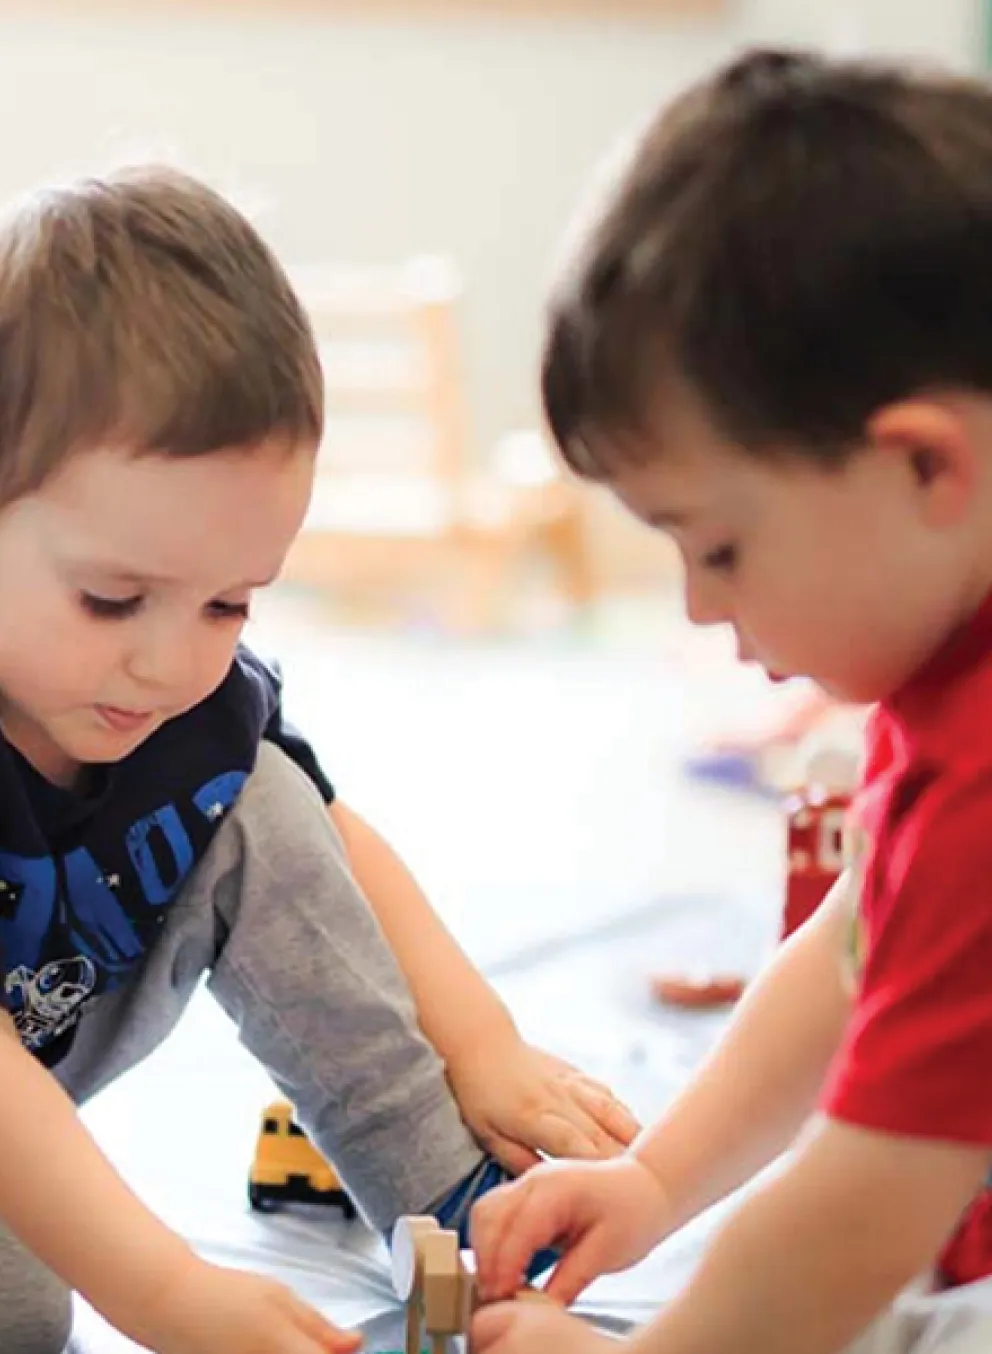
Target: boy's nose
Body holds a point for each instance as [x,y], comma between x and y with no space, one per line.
[704,603]
[159,665]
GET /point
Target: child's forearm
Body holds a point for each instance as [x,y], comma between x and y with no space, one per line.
[456,1006]
[811,1259]
[63,1199]
[755,1091]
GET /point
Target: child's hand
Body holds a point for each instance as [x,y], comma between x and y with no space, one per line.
[604,1216]
[520,1101]
[205,1309]
[533,1328]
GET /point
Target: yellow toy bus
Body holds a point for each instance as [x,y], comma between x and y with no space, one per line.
[287,1168]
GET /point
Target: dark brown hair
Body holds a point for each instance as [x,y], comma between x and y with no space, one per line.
[143,309]
[801,239]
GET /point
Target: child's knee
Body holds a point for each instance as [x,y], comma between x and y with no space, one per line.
[35,1306]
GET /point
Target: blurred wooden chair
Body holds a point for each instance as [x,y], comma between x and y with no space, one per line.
[402,504]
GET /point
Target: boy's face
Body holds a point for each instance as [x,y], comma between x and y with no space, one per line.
[125,583]
[847,576]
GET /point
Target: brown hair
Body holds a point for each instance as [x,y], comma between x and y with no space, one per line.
[143,308]
[801,239]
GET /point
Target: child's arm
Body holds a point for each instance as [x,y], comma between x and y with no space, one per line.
[753,1094]
[744,1106]
[805,1264]
[808,1259]
[442,979]
[814,1256]
[63,1199]
[537,1102]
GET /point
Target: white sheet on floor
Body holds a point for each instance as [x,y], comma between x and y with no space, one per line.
[182,1128]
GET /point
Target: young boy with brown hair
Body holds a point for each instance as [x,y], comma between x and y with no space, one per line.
[160,411]
[773,341]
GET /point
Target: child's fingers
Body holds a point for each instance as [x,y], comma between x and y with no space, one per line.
[525,1228]
[569,1132]
[340,1342]
[522,1325]
[517,1157]
[490,1325]
[483,1226]
[574,1272]
[492,1217]
[609,1113]
[295,1341]
[586,1121]
[323,1333]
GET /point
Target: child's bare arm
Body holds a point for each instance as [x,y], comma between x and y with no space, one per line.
[517,1099]
[741,1110]
[756,1090]
[61,1196]
[441,978]
[805,1264]
[813,1257]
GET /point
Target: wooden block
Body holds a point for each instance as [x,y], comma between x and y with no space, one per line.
[469,1291]
[407,1253]
[412,1329]
[442,1284]
[408,1271]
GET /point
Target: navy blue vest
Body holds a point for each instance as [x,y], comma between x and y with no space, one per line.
[86,878]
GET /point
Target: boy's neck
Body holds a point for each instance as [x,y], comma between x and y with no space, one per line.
[48,760]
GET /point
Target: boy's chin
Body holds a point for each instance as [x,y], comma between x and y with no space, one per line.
[101,745]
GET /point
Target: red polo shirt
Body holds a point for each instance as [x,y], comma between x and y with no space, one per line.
[917,1056]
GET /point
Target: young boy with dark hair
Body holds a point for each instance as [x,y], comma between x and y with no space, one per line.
[773,342]
[160,411]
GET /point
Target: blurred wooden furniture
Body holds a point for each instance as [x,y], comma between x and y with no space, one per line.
[525,9]
[402,502]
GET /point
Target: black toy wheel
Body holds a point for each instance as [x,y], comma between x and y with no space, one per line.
[260,1199]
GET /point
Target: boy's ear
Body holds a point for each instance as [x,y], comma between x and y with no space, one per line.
[936,443]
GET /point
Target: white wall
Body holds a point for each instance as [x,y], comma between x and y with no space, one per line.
[370,140]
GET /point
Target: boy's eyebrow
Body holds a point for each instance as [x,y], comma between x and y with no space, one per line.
[668,517]
[138,579]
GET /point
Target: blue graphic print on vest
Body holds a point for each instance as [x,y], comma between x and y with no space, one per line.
[86,878]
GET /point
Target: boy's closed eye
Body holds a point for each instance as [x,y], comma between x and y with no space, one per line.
[723,558]
[120,608]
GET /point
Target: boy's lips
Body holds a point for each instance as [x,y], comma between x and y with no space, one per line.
[124,721]
[744,655]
